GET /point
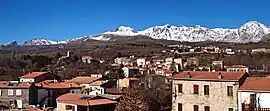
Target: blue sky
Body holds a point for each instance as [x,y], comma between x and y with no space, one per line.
[64,19]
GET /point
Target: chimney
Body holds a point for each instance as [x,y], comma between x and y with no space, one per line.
[189,75]
[220,75]
[70,85]
[41,85]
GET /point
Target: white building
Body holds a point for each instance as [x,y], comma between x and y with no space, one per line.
[131,71]
[169,60]
[97,88]
[141,62]
[205,91]
[254,92]
[264,50]
[236,68]
[121,60]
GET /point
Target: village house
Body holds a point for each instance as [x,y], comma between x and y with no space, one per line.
[122,60]
[83,81]
[192,61]
[126,82]
[17,95]
[254,94]
[234,68]
[260,50]
[204,68]
[206,91]
[141,62]
[131,71]
[48,91]
[169,60]
[38,77]
[82,102]
[218,65]
[87,59]
[98,87]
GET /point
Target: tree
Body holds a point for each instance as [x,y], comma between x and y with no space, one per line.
[151,93]
[133,100]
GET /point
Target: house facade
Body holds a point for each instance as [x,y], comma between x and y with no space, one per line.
[254,94]
[17,95]
[206,91]
[131,71]
[235,68]
[49,91]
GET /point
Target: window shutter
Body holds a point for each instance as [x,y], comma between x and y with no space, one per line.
[66,107]
[180,107]
[73,108]
[196,89]
[180,88]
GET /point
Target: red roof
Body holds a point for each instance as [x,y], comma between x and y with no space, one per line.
[83,100]
[58,85]
[8,84]
[82,80]
[33,74]
[202,75]
[114,91]
[256,84]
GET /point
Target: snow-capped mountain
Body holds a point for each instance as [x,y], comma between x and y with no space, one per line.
[251,31]
[124,31]
[42,41]
[11,43]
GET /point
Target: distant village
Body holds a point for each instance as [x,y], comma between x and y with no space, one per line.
[194,86]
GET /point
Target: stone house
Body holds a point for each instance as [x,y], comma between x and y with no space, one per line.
[17,95]
[254,94]
[198,91]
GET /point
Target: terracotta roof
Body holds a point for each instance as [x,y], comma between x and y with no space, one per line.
[83,100]
[58,85]
[203,75]
[98,83]
[8,84]
[237,66]
[83,80]
[256,84]
[133,78]
[33,74]
[114,91]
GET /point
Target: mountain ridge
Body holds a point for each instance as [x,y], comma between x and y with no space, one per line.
[252,31]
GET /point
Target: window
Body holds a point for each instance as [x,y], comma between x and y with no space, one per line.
[196,89]
[195,108]
[206,108]
[180,88]
[69,107]
[206,89]
[230,109]
[180,107]
[49,93]
[10,92]
[229,90]
[18,92]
